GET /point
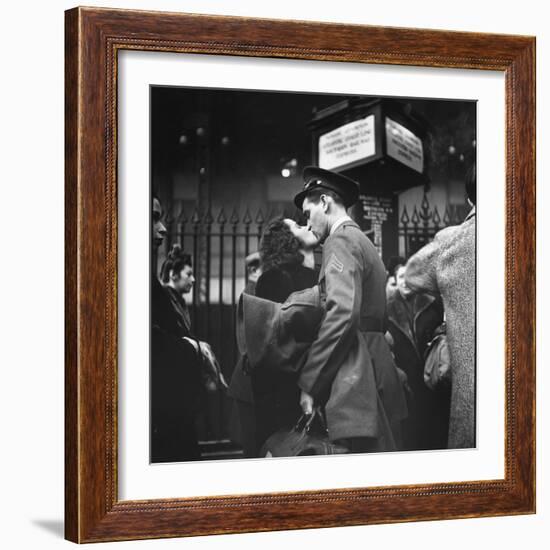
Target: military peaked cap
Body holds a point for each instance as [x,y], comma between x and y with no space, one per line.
[315,177]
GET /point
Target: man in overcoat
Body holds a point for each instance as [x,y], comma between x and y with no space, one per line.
[349,368]
[447,267]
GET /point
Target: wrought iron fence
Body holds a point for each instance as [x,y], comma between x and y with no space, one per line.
[219,245]
[419,228]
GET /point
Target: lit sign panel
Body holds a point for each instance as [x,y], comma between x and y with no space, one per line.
[349,143]
[404,146]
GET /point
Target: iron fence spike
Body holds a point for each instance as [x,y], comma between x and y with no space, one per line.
[447,216]
[436,217]
[415,217]
[209,219]
[182,218]
[234,216]
[222,217]
[405,216]
[260,217]
[196,218]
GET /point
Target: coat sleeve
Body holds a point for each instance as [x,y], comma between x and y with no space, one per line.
[421,269]
[342,278]
[420,273]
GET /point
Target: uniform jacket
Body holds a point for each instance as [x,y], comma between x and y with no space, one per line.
[446,267]
[349,366]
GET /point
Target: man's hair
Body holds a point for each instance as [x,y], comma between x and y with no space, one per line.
[471,184]
[279,246]
[314,195]
[176,260]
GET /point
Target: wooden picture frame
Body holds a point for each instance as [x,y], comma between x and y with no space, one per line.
[93,511]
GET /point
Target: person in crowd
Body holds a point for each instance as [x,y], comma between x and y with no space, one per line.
[349,368]
[413,319]
[253,270]
[178,279]
[176,384]
[286,251]
[446,267]
[391,283]
[287,266]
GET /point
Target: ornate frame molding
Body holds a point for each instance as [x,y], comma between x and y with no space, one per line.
[93,38]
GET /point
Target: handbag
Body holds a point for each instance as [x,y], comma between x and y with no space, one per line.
[437,363]
[307,438]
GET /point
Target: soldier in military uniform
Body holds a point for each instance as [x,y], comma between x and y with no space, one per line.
[349,368]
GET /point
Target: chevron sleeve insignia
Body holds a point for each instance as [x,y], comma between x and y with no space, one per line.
[335,264]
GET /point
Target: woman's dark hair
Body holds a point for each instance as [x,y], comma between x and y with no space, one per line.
[176,260]
[279,246]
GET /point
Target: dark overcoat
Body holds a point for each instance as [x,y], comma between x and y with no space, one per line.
[447,267]
[349,366]
[272,392]
[176,386]
[412,324]
[276,393]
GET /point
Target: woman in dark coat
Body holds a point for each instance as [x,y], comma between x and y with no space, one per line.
[183,367]
[286,251]
[175,371]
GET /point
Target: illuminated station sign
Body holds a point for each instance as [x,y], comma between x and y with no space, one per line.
[347,144]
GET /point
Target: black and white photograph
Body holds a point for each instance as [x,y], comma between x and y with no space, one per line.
[313,274]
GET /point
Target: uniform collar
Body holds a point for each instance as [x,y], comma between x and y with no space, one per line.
[338,223]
